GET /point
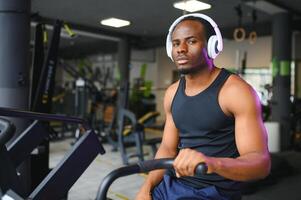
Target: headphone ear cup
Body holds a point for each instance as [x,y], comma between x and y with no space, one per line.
[169,46]
[212,47]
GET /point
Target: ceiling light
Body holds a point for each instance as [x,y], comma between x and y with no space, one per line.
[117,23]
[191,5]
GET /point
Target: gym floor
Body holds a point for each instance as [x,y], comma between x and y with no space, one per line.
[284,182]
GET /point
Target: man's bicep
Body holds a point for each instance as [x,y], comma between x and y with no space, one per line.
[250,133]
[170,137]
[170,134]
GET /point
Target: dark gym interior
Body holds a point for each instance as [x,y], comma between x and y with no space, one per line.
[80,98]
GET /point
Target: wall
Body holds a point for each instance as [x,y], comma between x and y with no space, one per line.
[258,54]
[138,58]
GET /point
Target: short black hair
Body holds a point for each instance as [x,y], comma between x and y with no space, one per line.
[209,30]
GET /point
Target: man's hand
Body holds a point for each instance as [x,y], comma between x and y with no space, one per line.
[187,160]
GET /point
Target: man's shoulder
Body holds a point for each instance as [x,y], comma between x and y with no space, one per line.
[237,93]
[173,88]
[236,84]
[170,93]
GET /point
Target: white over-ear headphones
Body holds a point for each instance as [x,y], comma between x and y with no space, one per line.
[215,42]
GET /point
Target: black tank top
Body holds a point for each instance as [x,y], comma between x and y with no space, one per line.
[203,126]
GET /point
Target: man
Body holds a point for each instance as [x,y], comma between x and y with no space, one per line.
[212,117]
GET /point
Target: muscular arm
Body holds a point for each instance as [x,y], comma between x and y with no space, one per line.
[250,136]
[168,146]
[238,99]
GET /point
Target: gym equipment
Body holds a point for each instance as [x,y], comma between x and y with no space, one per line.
[214,44]
[90,94]
[43,81]
[7,130]
[58,182]
[146,120]
[141,167]
[41,93]
[134,135]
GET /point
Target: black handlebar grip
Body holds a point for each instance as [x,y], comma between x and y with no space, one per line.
[201,169]
[161,163]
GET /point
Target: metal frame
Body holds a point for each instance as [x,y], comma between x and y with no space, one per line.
[58,182]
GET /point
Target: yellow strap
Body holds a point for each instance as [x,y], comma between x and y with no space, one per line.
[127,130]
[120,196]
[55,123]
[68,30]
[45,36]
[58,97]
[147,116]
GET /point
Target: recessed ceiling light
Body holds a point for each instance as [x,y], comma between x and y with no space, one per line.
[191,5]
[117,23]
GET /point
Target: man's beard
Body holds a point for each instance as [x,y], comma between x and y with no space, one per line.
[190,70]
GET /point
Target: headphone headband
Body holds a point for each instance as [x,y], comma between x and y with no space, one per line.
[219,45]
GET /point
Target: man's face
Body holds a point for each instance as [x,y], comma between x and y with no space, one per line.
[188,47]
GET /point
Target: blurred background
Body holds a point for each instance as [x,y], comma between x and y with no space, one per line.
[94,59]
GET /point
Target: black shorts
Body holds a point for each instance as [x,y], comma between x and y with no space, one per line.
[172,189]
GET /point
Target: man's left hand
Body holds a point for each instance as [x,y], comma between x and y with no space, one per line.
[187,160]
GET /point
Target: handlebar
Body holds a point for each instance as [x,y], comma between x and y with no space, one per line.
[9,112]
[7,130]
[140,167]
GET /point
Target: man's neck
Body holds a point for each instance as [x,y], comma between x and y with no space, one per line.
[202,78]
